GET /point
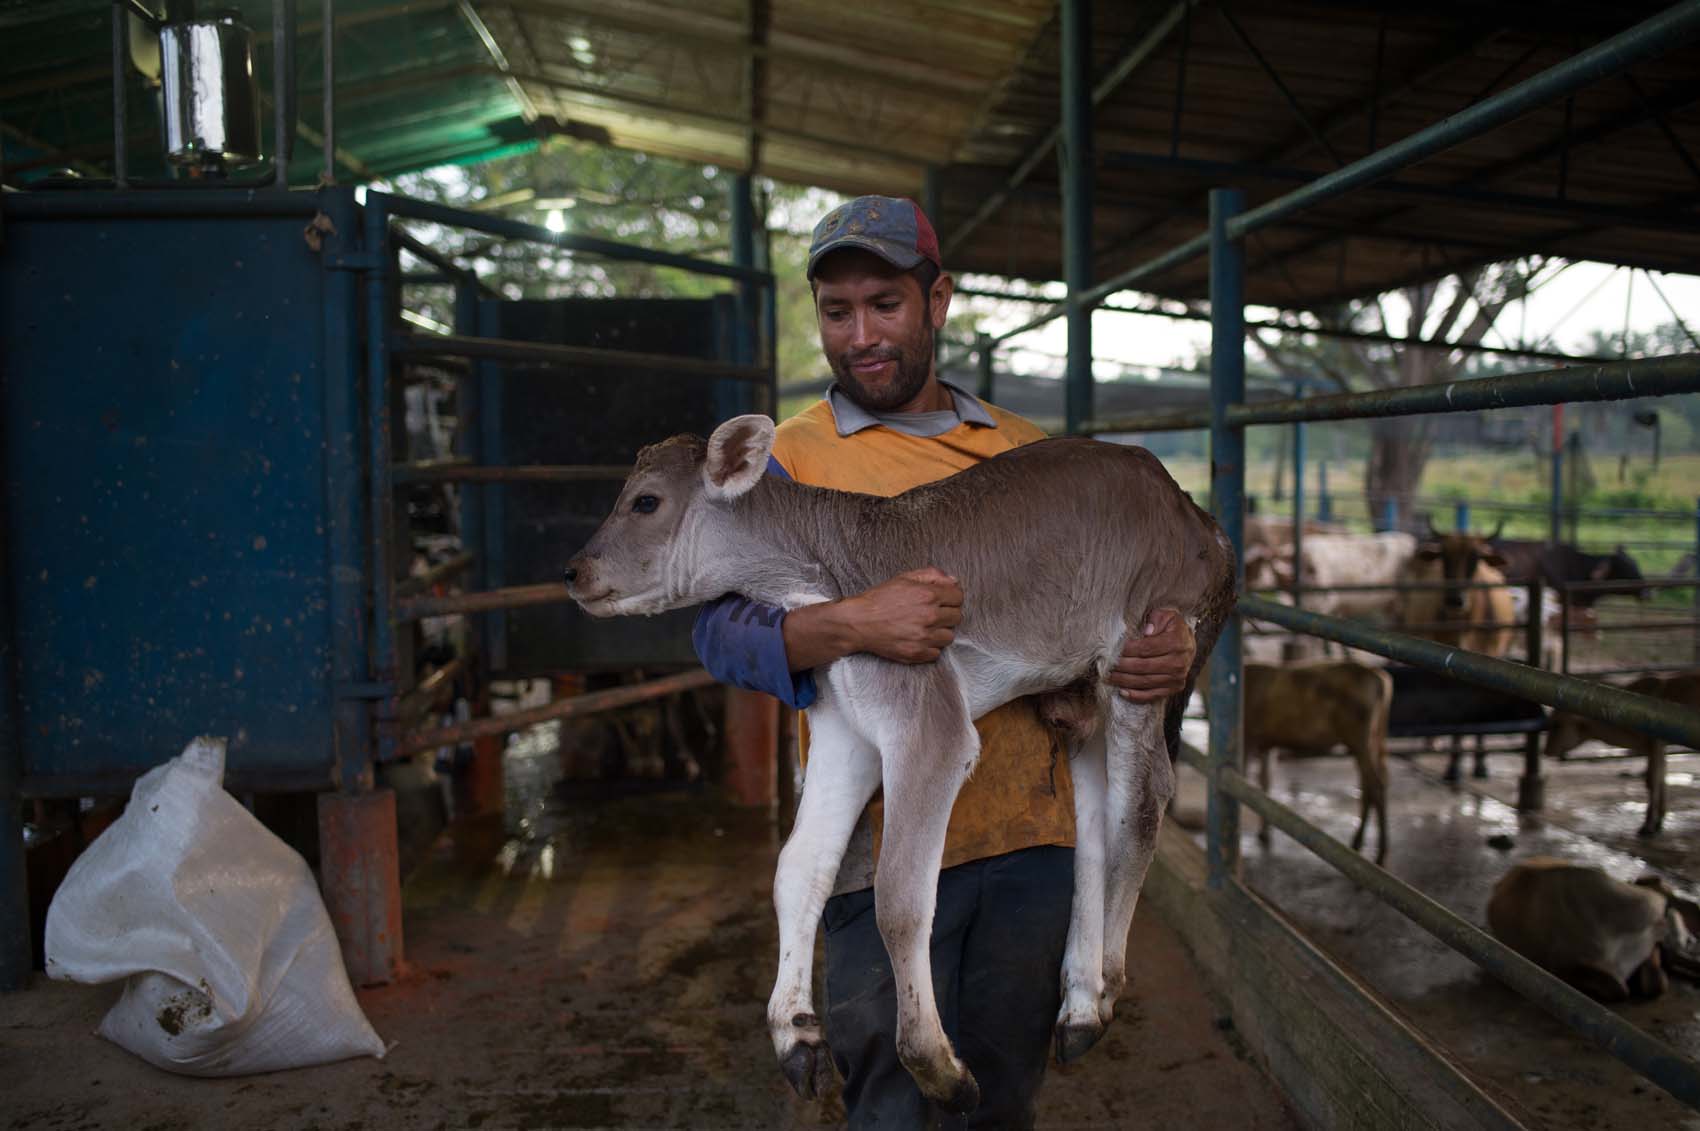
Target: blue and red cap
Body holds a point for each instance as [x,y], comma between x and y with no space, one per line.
[891,227]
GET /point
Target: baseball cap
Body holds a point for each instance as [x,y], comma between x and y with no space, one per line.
[891,227]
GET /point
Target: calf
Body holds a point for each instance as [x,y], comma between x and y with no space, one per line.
[1317,706]
[1558,564]
[1607,938]
[1568,731]
[1061,547]
[1479,620]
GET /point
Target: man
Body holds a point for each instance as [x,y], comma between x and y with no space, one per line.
[889,424]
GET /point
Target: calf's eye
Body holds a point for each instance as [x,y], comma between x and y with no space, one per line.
[645,504]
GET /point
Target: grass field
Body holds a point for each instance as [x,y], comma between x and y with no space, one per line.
[1485,479]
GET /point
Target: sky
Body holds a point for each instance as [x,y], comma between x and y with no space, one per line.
[1582,298]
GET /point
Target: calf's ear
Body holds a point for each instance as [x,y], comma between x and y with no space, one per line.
[737,456]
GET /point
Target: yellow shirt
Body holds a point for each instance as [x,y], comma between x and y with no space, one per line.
[1020,794]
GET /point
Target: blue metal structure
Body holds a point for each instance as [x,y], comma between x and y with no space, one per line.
[200,520]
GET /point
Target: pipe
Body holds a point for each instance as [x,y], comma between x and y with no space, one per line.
[207,199]
[489,600]
[514,229]
[444,471]
[283,89]
[1654,1059]
[379,422]
[438,574]
[578,705]
[1593,700]
[411,346]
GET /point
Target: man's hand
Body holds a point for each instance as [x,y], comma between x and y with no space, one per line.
[1155,661]
[910,618]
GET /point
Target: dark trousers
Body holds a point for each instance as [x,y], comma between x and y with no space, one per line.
[998,941]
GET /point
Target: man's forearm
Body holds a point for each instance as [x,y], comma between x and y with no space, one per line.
[819,634]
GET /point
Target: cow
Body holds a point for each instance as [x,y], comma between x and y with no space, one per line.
[1479,620]
[1060,547]
[1560,564]
[1334,560]
[1611,940]
[1316,706]
[1566,731]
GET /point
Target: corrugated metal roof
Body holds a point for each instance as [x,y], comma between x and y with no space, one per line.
[869,97]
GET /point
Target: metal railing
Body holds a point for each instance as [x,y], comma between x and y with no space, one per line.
[402,601]
[1228,417]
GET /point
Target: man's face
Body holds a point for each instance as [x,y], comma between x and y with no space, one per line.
[876,329]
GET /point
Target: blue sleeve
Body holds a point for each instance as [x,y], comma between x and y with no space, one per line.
[743,643]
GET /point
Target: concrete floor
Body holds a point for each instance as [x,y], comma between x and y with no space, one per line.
[1440,846]
[599,964]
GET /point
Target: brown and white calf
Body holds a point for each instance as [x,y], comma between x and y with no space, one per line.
[1316,706]
[1565,732]
[1062,547]
[1609,939]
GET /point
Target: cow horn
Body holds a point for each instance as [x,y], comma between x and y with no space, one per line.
[1497,531]
[1433,534]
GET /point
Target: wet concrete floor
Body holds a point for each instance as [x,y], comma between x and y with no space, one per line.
[599,964]
[1440,845]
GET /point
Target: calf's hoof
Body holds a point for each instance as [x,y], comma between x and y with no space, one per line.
[964,1097]
[806,1061]
[1651,827]
[1075,1040]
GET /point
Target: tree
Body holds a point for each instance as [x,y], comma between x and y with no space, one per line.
[1458,310]
[630,198]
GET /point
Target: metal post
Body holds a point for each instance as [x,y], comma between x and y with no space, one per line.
[120,103]
[1227,482]
[1324,501]
[1573,493]
[471,496]
[1531,787]
[1390,513]
[1076,159]
[1298,503]
[932,203]
[1696,598]
[1554,534]
[283,89]
[14,886]
[327,48]
[1461,517]
[984,354]
[734,398]
[348,520]
[381,491]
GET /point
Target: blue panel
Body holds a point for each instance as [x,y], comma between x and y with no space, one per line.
[164,462]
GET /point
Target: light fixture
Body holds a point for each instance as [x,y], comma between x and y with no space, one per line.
[556,221]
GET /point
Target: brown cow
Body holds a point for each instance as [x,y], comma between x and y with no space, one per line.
[1317,706]
[1567,731]
[1482,616]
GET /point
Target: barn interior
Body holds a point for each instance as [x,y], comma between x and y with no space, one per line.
[592,948]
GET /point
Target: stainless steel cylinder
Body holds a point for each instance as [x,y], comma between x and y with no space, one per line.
[212,104]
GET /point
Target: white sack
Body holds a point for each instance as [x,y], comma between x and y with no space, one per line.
[231,961]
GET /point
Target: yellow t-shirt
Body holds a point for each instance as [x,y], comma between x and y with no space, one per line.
[1020,794]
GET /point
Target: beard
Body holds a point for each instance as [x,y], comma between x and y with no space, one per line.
[914,364]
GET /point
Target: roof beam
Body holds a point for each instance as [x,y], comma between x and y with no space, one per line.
[527,108]
[663,111]
[732,36]
[1130,62]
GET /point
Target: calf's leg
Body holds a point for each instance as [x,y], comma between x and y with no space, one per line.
[843,772]
[1655,821]
[928,747]
[1078,1023]
[1140,783]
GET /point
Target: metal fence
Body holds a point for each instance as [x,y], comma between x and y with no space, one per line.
[1224,241]
[402,729]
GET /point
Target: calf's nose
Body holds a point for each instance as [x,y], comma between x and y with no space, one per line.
[570,574]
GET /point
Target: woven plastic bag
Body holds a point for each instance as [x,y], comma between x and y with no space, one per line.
[230,961]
